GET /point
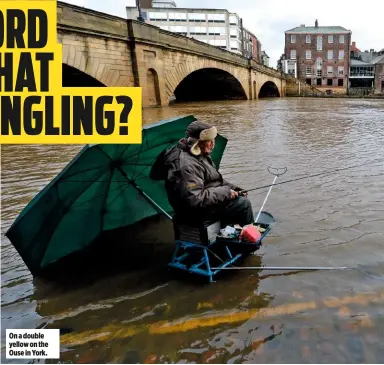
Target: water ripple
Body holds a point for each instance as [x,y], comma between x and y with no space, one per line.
[334,219]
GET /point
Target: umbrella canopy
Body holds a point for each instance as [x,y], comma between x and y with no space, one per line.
[106,186]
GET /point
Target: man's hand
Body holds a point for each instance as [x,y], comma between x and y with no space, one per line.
[234,193]
[242,193]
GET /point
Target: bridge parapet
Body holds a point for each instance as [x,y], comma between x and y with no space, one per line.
[120,52]
[146,33]
[77,18]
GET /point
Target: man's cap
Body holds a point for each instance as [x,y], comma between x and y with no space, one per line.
[200,131]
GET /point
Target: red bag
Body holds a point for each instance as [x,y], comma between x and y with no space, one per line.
[250,234]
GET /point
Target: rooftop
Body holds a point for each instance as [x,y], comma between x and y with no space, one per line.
[359,63]
[318,30]
[190,10]
[378,59]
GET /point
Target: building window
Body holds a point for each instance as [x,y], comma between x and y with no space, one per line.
[318,82]
[234,33]
[293,38]
[233,20]
[330,54]
[178,29]
[319,43]
[293,54]
[308,70]
[330,39]
[340,82]
[341,54]
[234,44]
[198,30]
[177,17]
[157,16]
[329,70]
[319,62]
[319,73]
[218,42]
[340,70]
[341,38]
[216,18]
[307,38]
[216,30]
[308,54]
[329,82]
[197,17]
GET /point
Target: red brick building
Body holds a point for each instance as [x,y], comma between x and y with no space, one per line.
[379,73]
[321,54]
[252,46]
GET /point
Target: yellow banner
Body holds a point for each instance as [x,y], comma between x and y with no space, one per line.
[34,107]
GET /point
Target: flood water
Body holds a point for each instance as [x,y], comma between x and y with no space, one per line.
[153,316]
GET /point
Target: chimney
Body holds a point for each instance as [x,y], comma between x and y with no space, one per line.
[353,44]
[316,24]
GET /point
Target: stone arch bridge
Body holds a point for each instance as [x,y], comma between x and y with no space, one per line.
[104,50]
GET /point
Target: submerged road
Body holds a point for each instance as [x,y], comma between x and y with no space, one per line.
[125,312]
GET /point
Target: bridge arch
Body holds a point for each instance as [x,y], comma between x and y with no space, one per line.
[209,84]
[269,89]
[73,77]
[189,71]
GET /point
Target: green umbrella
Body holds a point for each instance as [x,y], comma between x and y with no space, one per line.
[106,186]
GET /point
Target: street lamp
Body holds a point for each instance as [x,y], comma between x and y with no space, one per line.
[140,18]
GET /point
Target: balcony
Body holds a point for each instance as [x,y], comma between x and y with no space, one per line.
[362,72]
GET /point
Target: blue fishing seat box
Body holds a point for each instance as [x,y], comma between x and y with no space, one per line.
[198,249]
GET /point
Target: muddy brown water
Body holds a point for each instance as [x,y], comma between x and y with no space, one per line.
[140,314]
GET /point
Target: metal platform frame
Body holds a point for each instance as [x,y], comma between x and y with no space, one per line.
[202,264]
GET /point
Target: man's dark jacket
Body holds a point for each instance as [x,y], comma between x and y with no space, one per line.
[194,185]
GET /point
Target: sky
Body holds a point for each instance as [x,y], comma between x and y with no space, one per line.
[269,19]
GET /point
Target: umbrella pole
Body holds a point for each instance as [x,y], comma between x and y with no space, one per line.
[153,202]
[146,196]
[156,205]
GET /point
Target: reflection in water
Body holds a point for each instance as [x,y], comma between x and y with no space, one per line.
[118,310]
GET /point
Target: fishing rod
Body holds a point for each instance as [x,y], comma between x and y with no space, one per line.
[307,177]
[279,268]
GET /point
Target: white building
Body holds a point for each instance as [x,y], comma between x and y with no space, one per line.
[216,27]
[264,58]
[290,67]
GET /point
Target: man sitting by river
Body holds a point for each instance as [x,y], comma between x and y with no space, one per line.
[195,188]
